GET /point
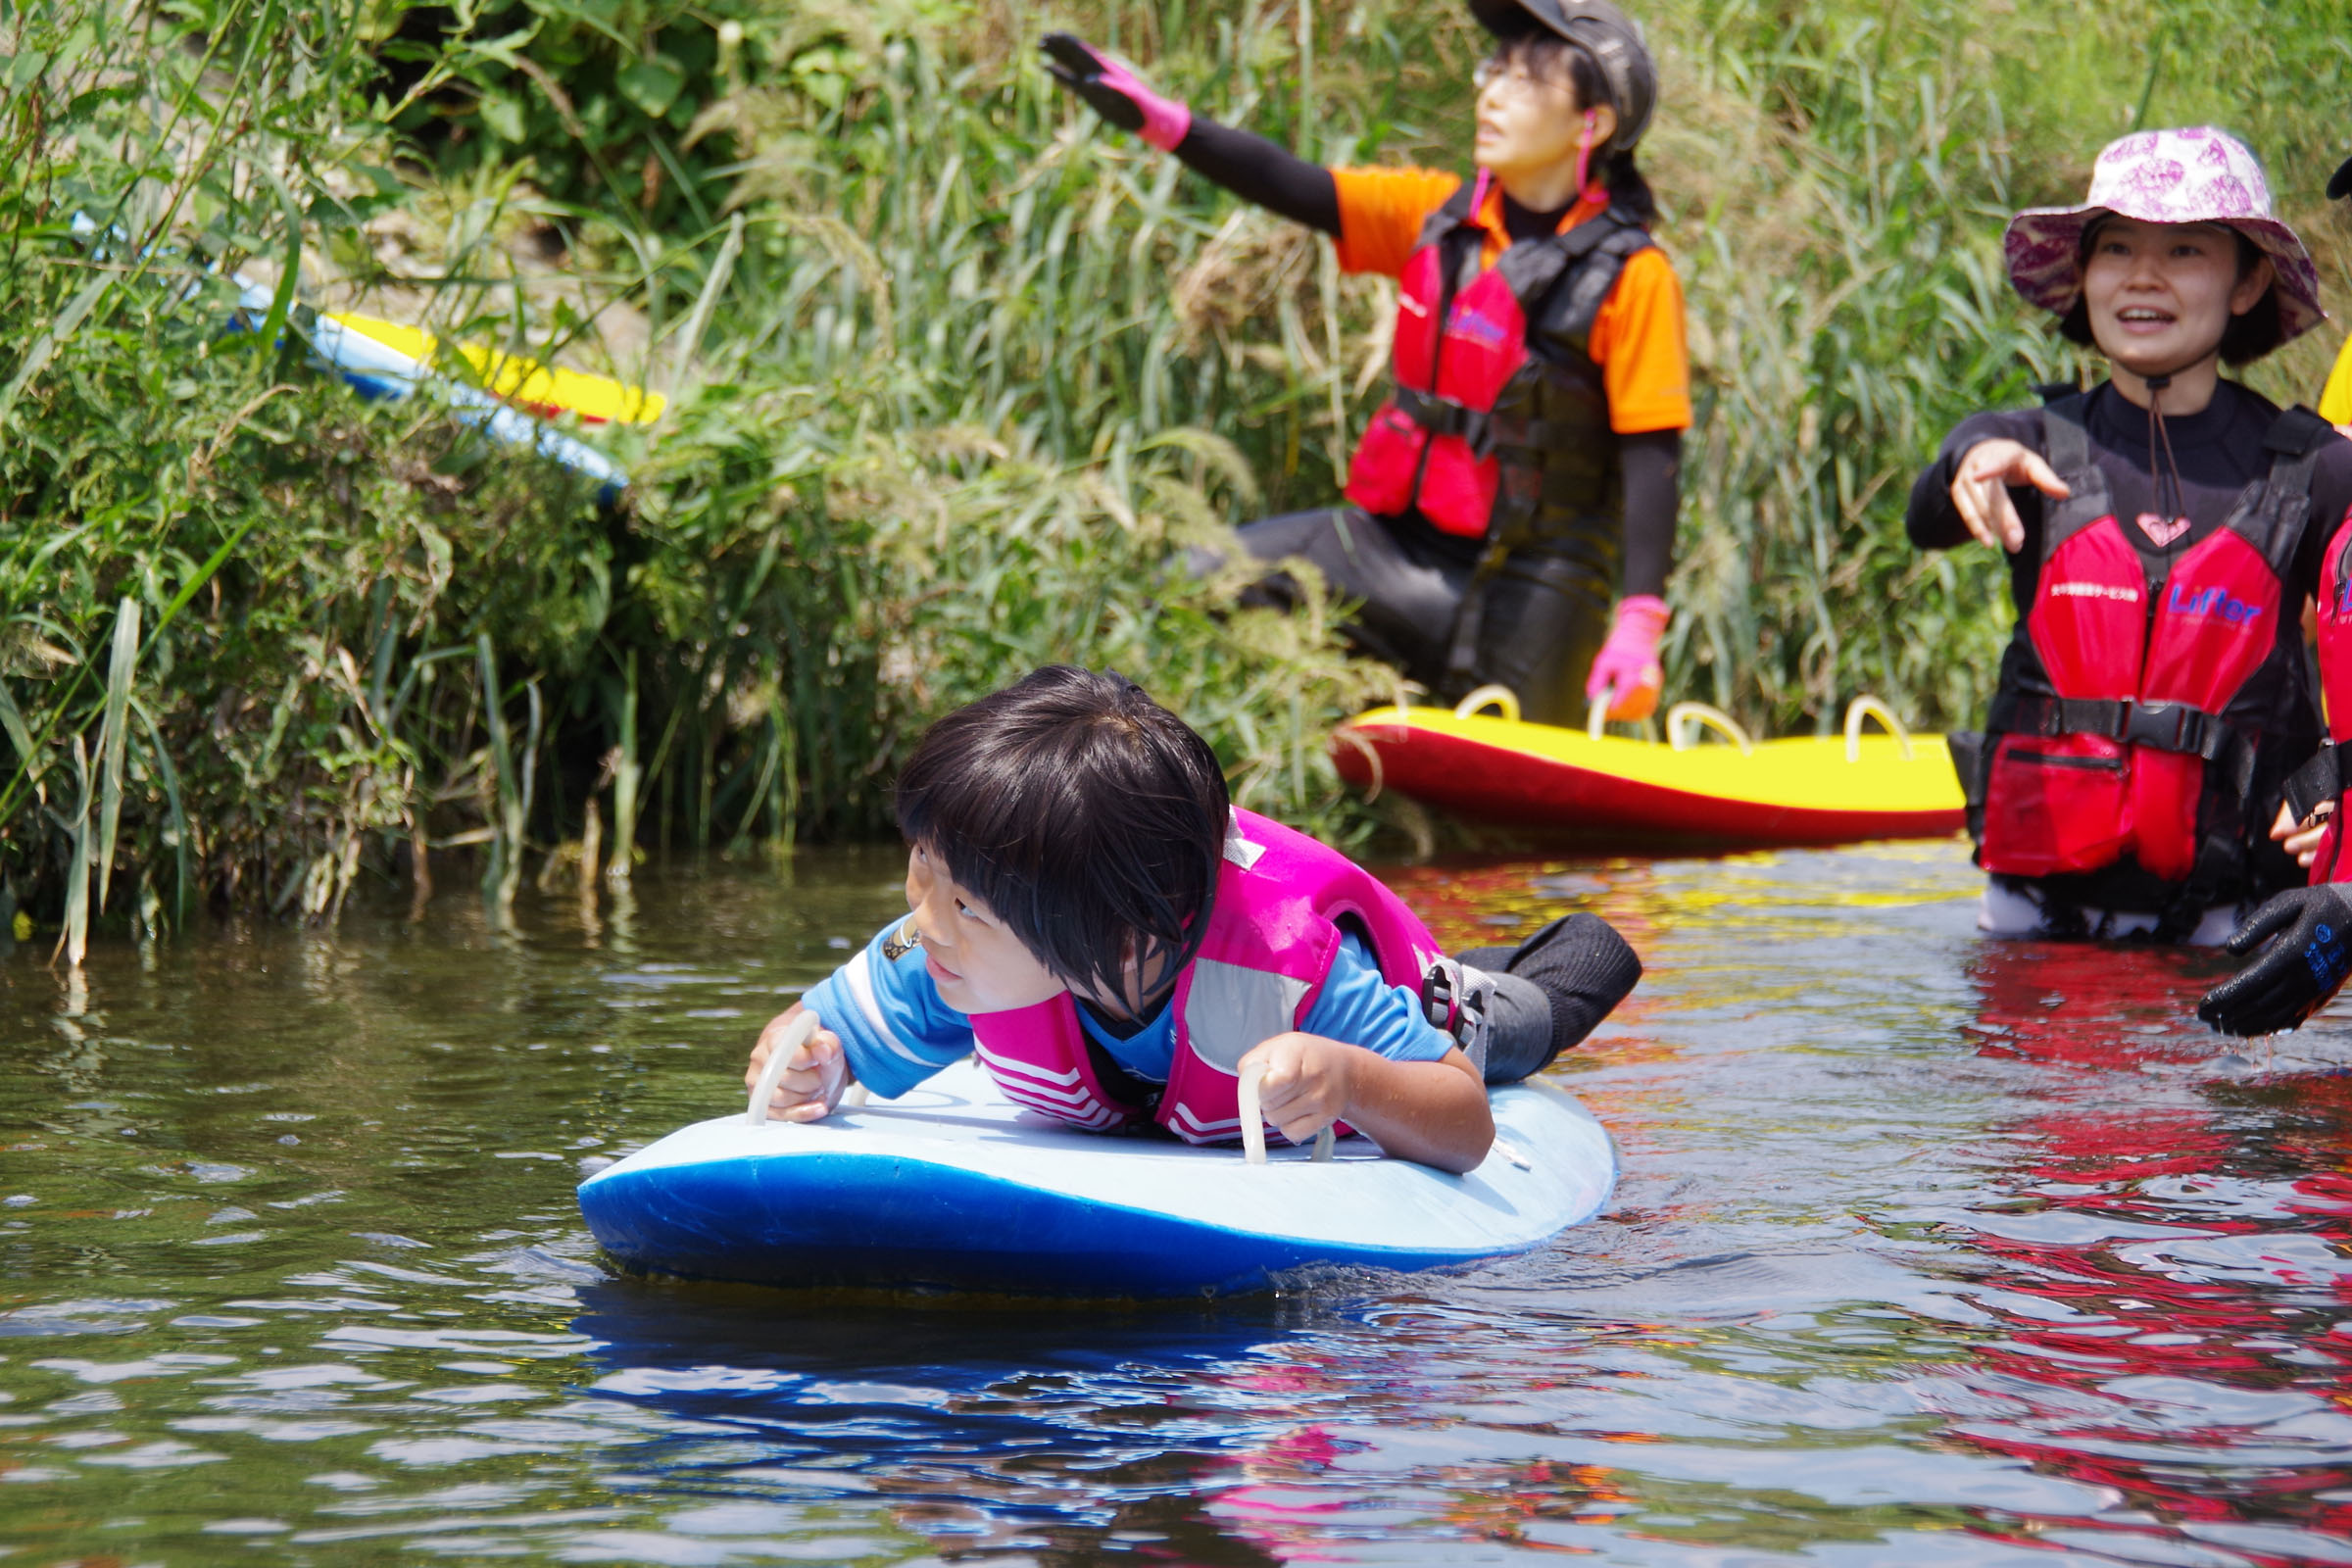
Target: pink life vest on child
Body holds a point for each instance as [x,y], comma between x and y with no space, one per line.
[1273,931]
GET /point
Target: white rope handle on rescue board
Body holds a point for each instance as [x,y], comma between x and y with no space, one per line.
[796,1035]
[1504,700]
[1253,1120]
[1683,715]
[1869,706]
[1596,713]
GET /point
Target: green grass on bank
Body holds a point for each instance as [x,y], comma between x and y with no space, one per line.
[957,375]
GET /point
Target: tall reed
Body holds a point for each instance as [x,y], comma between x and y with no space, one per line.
[961,376]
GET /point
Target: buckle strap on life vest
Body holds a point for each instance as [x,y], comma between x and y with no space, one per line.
[1484,432]
[2316,783]
[2161,726]
[1442,415]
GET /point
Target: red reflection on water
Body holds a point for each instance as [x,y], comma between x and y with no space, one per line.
[2127,1173]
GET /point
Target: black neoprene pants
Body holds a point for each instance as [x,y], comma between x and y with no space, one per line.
[1543,618]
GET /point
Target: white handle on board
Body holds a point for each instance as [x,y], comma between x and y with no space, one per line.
[1504,700]
[1869,706]
[1253,1120]
[1596,713]
[796,1035]
[1683,715]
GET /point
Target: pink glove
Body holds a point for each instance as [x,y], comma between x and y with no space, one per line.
[1628,663]
[1116,92]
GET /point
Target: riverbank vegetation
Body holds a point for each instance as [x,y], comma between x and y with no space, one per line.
[958,378]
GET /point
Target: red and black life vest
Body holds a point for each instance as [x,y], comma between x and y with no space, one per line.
[2138,706]
[1499,424]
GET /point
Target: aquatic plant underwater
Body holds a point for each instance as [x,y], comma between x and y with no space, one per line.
[956,376]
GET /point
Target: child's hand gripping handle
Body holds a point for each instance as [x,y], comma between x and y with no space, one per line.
[1253,1118]
[787,1055]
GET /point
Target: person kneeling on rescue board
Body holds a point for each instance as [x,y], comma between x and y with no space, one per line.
[1116,943]
[2164,531]
[1528,458]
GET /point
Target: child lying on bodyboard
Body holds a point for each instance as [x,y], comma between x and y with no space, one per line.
[1116,943]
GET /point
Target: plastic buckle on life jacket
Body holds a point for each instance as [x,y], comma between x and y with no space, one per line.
[1442,416]
[1441,996]
[2318,783]
[2165,726]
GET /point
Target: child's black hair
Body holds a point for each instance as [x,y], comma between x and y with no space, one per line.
[2244,340]
[1089,818]
[1547,55]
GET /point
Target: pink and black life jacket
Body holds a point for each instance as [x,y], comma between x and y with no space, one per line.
[1282,901]
[1499,424]
[2138,704]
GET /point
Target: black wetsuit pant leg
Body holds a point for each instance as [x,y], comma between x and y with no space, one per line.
[1550,992]
[1545,615]
[1545,619]
[1409,593]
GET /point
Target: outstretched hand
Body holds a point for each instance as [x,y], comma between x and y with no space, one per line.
[1114,91]
[2310,953]
[1980,490]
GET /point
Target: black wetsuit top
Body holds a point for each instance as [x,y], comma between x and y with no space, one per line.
[2218,450]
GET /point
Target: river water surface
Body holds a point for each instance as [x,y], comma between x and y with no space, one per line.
[1927,1251]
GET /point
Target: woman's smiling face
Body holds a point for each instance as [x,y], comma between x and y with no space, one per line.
[975,962]
[2160,295]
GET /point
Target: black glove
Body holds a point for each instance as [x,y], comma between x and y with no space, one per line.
[1107,85]
[2303,967]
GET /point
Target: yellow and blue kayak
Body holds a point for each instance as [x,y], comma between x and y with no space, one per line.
[1586,786]
[546,390]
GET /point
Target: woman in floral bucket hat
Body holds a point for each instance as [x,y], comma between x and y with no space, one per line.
[2164,531]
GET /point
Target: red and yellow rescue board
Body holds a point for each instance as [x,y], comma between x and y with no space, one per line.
[1584,786]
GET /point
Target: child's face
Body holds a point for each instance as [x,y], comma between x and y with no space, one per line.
[975,962]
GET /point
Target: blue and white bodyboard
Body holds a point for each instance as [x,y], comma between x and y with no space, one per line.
[952,1187]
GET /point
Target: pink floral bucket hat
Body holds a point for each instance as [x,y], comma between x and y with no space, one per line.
[2196,175]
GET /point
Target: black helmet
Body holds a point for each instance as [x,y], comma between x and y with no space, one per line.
[1599,30]
[2341,184]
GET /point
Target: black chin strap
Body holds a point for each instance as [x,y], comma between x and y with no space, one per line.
[2158,430]
[2159,434]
